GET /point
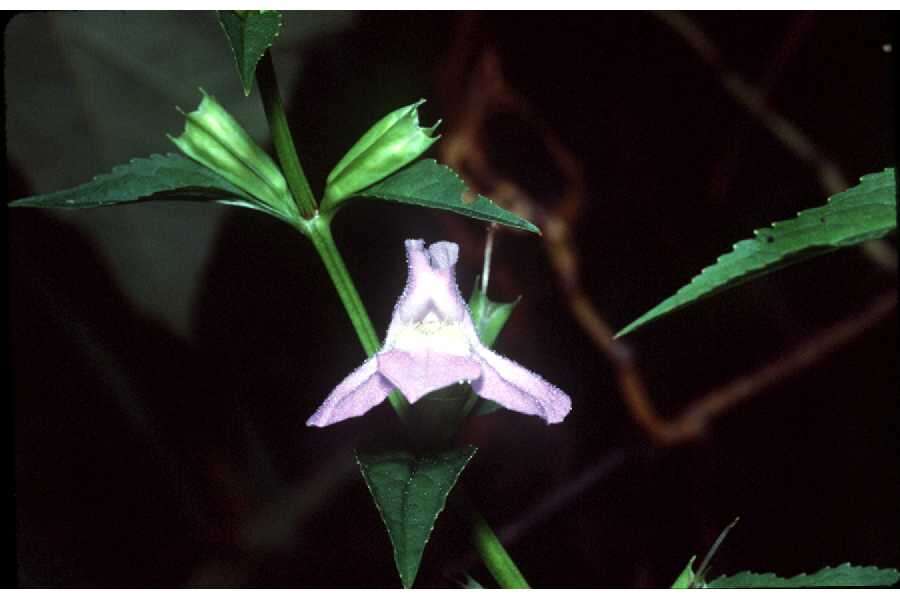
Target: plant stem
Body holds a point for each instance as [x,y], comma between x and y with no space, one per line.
[281,137]
[494,555]
[319,231]
[317,227]
[488,252]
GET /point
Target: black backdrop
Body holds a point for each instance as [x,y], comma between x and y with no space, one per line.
[141,456]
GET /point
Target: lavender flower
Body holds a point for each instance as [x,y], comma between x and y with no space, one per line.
[432,343]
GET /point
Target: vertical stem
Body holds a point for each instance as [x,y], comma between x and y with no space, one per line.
[318,228]
[319,231]
[488,251]
[281,137]
[494,555]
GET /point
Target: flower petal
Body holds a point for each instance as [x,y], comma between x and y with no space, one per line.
[417,374]
[355,395]
[444,255]
[512,386]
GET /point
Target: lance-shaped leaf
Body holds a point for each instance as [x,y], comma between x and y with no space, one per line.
[250,33]
[845,575]
[864,212]
[157,177]
[216,140]
[410,492]
[389,145]
[431,185]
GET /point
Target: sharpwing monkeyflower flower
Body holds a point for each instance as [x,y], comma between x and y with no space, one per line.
[432,343]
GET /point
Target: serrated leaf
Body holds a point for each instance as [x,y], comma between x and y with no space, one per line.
[686,577]
[432,185]
[250,33]
[864,212]
[845,575]
[157,177]
[105,81]
[410,492]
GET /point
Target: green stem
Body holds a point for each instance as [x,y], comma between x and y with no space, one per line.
[281,137]
[319,231]
[494,555]
[318,228]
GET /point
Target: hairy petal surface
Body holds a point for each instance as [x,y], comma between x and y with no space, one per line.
[514,387]
[421,373]
[359,392]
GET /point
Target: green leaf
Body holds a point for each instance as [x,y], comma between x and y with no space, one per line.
[864,212]
[251,33]
[157,177]
[410,492]
[845,575]
[471,583]
[105,81]
[429,184]
[686,578]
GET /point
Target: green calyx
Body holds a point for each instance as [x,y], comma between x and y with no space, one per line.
[391,144]
[216,140]
[488,316]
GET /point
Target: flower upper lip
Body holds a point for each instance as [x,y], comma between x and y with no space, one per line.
[432,343]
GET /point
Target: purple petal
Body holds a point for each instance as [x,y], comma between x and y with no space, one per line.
[418,374]
[357,394]
[430,284]
[444,255]
[514,387]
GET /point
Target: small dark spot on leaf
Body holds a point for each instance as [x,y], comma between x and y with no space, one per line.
[468,196]
[821,219]
[770,239]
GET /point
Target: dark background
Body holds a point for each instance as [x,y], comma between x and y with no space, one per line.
[147,457]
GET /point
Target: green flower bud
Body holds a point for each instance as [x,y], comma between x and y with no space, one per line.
[392,143]
[216,140]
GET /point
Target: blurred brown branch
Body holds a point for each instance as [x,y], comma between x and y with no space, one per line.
[753,99]
[473,86]
[695,419]
[486,93]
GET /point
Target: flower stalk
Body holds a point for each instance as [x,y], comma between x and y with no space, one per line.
[318,228]
[495,557]
[319,231]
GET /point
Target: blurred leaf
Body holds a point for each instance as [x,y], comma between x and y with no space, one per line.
[429,184]
[845,575]
[86,91]
[410,492]
[251,33]
[864,212]
[686,578]
[158,177]
[471,584]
